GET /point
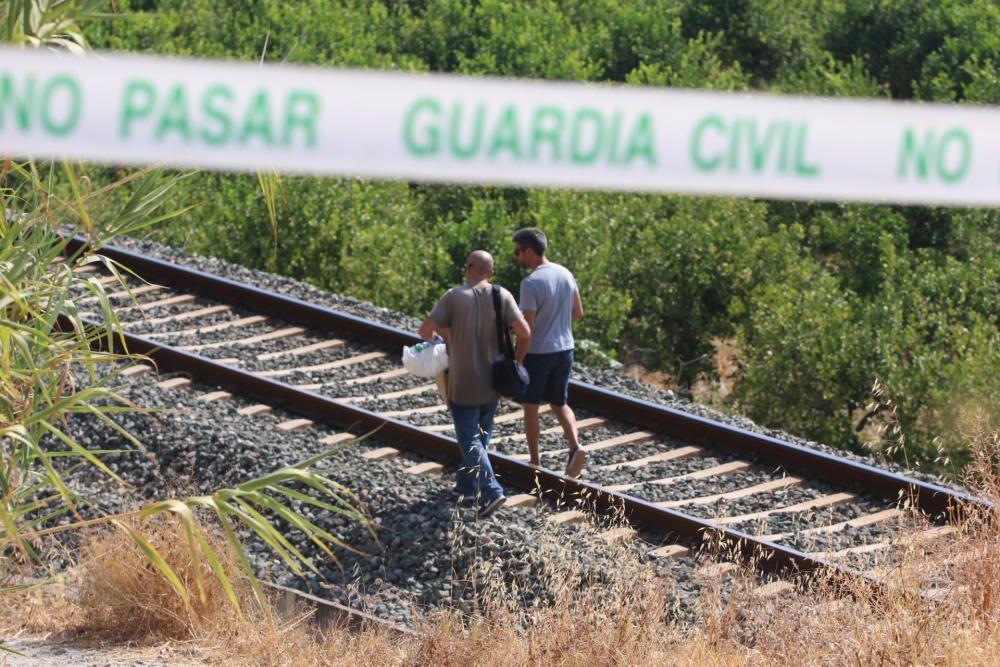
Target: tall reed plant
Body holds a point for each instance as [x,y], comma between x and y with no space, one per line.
[51,363]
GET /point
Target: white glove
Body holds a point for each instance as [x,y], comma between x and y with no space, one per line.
[522,372]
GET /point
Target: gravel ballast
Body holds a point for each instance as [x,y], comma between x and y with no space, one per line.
[427,551]
[607,379]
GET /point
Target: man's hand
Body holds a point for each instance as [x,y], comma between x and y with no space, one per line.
[522,372]
[427,330]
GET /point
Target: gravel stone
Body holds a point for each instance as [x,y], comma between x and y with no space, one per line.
[426,552]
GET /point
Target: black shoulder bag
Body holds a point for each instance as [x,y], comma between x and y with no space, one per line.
[506,381]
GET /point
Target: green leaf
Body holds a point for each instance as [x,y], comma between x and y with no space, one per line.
[157,560]
[234,542]
[187,521]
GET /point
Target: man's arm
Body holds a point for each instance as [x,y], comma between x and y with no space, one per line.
[577,306]
[429,328]
[522,329]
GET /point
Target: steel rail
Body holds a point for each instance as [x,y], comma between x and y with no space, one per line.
[326,613]
[933,499]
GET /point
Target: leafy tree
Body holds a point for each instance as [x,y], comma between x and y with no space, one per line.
[699,65]
[663,277]
[934,331]
[528,39]
[921,48]
[805,360]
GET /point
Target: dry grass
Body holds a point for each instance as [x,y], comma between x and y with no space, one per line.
[625,621]
[900,627]
[710,388]
[122,595]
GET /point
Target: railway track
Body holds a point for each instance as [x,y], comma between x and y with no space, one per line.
[675,477]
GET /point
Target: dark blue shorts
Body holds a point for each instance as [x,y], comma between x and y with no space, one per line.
[549,375]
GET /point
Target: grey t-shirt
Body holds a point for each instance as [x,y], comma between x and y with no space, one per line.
[549,291]
[467,312]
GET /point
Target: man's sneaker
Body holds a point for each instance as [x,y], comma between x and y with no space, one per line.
[575,462]
[491,506]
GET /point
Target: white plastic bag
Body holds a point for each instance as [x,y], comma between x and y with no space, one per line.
[425,360]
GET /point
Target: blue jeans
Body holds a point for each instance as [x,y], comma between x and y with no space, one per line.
[473,429]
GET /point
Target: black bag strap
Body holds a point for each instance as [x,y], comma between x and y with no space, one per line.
[504,342]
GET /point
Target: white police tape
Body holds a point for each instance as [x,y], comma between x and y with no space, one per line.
[120,109]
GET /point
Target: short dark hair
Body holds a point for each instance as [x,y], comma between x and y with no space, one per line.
[532,237]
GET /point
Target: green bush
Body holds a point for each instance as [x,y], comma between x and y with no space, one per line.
[822,299]
[920,48]
[805,362]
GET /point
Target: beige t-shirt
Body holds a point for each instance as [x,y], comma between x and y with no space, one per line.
[467,312]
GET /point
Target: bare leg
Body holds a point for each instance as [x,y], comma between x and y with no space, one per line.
[531,432]
[567,419]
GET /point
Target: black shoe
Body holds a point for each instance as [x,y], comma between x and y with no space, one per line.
[491,506]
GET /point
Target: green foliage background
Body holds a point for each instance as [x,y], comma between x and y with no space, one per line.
[821,299]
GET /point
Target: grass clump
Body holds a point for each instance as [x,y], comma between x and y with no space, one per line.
[119,599]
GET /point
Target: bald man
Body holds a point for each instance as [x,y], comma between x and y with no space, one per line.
[465,317]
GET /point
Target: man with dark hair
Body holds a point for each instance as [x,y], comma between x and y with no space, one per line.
[550,301]
[465,317]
